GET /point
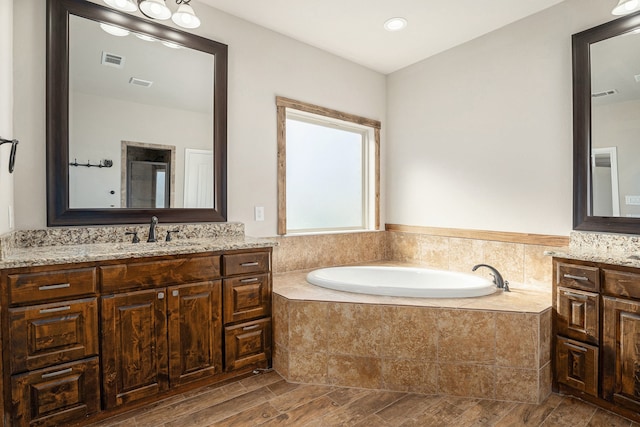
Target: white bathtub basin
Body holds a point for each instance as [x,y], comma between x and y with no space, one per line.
[402,281]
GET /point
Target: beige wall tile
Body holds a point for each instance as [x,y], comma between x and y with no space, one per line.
[464,254]
[517,343]
[403,247]
[410,332]
[545,338]
[281,360]
[466,336]
[508,258]
[308,367]
[544,382]
[467,380]
[520,385]
[434,251]
[308,323]
[280,307]
[537,266]
[351,371]
[355,329]
[410,375]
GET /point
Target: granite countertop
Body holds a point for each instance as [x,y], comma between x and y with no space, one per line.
[66,254]
[626,259]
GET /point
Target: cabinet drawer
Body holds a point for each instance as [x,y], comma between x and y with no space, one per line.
[578,276]
[621,284]
[578,314]
[49,334]
[142,275]
[577,365]
[254,262]
[247,343]
[56,396]
[247,297]
[47,285]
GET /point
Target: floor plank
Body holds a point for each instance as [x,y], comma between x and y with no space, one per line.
[267,400]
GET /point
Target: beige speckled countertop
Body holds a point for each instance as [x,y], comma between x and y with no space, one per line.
[521,299]
[66,254]
[611,258]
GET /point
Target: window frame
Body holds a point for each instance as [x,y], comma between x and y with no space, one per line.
[303,109]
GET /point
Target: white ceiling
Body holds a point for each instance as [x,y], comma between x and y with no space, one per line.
[353,29]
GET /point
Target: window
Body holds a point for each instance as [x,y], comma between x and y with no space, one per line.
[328,170]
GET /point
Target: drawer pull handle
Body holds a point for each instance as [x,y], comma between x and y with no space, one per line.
[250,328]
[55,374]
[253,279]
[51,287]
[55,310]
[576,347]
[579,278]
[250,264]
[576,296]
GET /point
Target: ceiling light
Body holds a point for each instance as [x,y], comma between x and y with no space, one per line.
[123,5]
[626,6]
[397,24]
[185,16]
[156,9]
[114,31]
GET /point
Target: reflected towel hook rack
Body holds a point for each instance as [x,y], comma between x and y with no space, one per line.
[12,156]
[103,164]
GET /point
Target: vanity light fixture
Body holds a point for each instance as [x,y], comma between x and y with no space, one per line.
[625,7]
[123,5]
[114,31]
[184,17]
[396,24]
[145,37]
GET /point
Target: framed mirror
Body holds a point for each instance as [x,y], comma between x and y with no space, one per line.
[136,120]
[606,127]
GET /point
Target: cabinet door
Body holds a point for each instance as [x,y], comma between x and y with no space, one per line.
[49,334]
[578,315]
[247,343]
[621,364]
[577,365]
[134,346]
[247,297]
[195,331]
[56,396]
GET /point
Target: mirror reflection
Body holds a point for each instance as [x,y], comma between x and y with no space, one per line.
[615,126]
[140,109]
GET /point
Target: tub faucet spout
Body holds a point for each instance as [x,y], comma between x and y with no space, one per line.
[497,277]
[152,230]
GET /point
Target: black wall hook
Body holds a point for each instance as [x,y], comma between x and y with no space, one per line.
[12,156]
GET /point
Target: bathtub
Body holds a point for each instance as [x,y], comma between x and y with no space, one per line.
[402,281]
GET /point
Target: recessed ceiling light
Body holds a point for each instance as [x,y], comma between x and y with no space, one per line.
[395,24]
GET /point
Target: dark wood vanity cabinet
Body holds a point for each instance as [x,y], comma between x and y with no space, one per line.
[88,338]
[597,329]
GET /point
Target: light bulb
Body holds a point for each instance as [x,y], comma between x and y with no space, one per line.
[185,17]
[395,24]
[123,5]
[155,9]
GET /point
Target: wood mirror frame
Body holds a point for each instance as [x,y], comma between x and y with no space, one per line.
[582,191]
[57,119]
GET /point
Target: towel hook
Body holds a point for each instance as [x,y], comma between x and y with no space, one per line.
[12,156]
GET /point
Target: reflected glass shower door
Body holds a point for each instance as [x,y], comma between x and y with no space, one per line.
[147,185]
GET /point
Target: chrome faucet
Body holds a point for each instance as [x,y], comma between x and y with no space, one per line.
[497,277]
[152,229]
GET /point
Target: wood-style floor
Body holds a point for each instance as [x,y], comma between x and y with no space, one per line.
[268,400]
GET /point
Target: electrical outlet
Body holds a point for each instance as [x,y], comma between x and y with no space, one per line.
[632,200]
[259,213]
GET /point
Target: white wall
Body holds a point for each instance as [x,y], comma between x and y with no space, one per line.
[480,136]
[262,64]
[6,111]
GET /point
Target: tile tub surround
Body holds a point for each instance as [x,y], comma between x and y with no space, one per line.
[495,347]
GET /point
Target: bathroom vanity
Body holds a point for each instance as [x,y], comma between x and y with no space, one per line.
[597,332]
[84,340]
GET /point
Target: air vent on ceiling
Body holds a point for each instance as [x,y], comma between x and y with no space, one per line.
[112,60]
[604,93]
[140,82]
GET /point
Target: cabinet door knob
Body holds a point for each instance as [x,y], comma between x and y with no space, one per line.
[175,293]
[160,295]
